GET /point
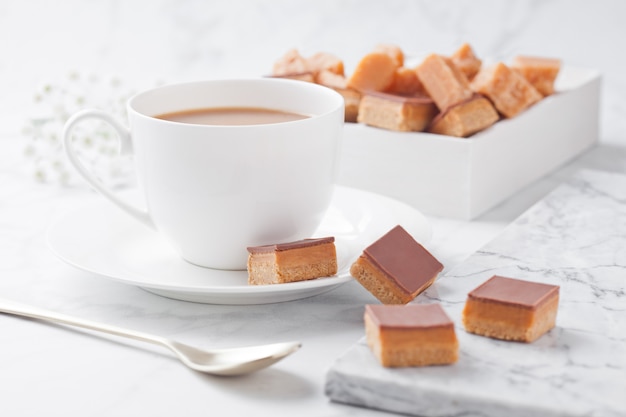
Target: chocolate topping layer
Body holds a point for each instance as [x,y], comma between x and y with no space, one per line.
[408,316]
[524,294]
[403,260]
[304,243]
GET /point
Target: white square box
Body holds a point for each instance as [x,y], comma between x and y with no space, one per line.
[463,178]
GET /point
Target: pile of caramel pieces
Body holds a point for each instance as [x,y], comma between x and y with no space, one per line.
[451,95]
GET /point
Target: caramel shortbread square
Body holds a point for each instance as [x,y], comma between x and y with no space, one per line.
[411,335]
[511,309]
[396,268]
[294,261]
[394,112]
[466,118]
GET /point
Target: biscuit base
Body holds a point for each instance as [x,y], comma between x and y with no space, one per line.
[379,285]
[509,322]
[395,348]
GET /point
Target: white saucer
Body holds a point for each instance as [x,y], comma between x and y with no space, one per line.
[101,239]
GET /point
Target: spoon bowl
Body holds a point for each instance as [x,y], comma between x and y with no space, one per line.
[233,361]
[225,361]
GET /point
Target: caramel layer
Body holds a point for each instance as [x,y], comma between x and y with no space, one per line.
[509,322]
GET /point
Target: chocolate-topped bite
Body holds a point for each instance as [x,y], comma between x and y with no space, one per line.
[396,112]
[511,309]
[292,261]
[465,118]
[396,268]
[404,260]
[411,335]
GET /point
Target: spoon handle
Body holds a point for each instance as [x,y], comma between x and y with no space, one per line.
[10,307]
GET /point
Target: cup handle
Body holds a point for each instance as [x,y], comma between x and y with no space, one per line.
[125,148]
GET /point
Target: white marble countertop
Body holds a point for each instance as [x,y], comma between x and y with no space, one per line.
[51,370]
[571,238]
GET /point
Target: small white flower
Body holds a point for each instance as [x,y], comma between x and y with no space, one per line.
[96,144]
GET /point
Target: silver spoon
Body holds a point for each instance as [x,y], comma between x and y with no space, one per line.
[230,361]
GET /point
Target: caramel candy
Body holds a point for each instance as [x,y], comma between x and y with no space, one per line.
[443,81]
[323,61]
[396,268]
[374,72]
[465,60]
[411,335]
[331,79]
[511,309]
[291,63]
[509,91]
[406,83]
[540,72]
[465,118]
[289,262]
[395,112]
[394,51]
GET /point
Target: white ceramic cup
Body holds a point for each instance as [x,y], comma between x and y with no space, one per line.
[212,190]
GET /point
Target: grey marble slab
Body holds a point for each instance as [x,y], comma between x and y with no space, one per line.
[575,238]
